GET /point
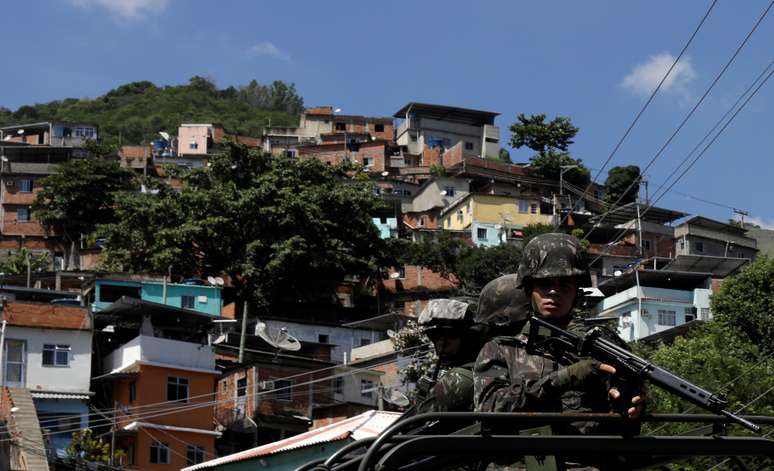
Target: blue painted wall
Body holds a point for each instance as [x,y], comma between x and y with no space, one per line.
[388,227]
[207,299]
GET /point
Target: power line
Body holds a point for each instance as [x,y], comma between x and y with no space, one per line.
[647,104]
[691,112]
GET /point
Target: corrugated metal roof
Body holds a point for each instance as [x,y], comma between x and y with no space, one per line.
[367,424]
[53,395]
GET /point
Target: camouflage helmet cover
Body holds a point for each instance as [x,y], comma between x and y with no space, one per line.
[444,313]
[502,302]
[554,255]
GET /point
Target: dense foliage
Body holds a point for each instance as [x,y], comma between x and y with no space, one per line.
[84,446]
[135,112]
[274,225]
[414,345]
[16,263]
[551,141]
[619,179]
[80,195]
[747,302]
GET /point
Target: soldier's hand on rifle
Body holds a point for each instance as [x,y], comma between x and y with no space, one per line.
[580,375]
[637,402]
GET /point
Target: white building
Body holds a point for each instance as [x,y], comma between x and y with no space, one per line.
[46,349]
[424,125]
[652,301]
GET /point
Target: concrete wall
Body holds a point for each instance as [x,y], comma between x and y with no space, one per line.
[159,350]
[689,245]
[207,299]
[72,378]
[193,134]
[430,196]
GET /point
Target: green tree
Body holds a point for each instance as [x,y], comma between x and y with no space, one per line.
[276,226]
[79,196]
[16,263]
[504,156]
[618,181]
[746,301]
[551,141]
[86,447]
[480,265]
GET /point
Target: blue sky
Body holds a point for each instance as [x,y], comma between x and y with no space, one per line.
[593,61]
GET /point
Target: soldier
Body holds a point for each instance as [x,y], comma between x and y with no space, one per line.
[508,379]
[449,325]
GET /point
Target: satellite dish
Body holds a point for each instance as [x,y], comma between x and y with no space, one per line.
[385,173]
[211,281]
[7,138]
[393,396]
[277,338]
[220,339]
[219,281]
[164,135]
[394,275]
[443,192]
[20,131]
[337,110]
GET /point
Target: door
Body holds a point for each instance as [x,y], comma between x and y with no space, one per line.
[15,363]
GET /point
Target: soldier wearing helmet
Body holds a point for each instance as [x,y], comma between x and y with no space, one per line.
[449,325]
[553,269]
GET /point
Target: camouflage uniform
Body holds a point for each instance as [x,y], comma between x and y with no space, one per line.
[508,379]
[453,392]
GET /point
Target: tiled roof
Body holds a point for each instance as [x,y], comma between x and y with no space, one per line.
[46,316]
[367,424]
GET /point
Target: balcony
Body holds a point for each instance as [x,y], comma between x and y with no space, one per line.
[161,352]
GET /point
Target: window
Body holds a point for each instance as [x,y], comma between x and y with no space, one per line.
[699,246]
[25,185]
[421,221]
[159,453]
[368,161]
[481,233]
[366,388]
[533,208]
[682,245]
[15,358]
[289,153]
[468,145]
[667,317]
[338,385]
[379,127]
[241,387]
[523,206]
[449,190]
[284,390]
[193,145]
[177,389]
[645,245]
[341,126]
[413,138]
[322,338]
[460,216]
[401,273]
[132,391]
[364,342]
[56,355]
[23,214]
[188,302]
[382,220]
[194,454]
[130,455]
[377,191]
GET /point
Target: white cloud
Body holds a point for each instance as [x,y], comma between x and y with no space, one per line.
[267,48]
[645,77]
[126,9]
[763,223]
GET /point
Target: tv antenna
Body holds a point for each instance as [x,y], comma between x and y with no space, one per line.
[280,339]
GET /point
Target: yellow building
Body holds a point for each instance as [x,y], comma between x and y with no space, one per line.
[486,216]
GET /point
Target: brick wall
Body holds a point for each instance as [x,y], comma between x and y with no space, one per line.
[431,220]
[453,156]
[430,156]
[419,278]
[333,154]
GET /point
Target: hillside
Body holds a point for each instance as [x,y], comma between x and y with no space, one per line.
[134,113]
[764,237]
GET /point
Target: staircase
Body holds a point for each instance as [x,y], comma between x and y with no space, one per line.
[25,428]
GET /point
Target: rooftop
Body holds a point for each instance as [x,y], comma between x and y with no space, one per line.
[717,266]
[46,316]
[451,113]
[668,279]
[707,223]
[627,212]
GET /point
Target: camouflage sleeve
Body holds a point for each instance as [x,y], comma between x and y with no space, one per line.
[496,391]
[452,393]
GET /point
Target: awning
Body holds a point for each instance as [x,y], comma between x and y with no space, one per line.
[717,266]
[60,395]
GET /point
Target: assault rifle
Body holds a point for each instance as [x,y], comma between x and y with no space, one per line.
[559,342]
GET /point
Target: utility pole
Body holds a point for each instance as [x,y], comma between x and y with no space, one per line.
[742,213]
[244,333]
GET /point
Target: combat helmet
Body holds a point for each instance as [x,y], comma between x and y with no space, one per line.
[503,307]
[554,255]
[445,313]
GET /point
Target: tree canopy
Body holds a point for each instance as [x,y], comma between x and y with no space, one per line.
[746,301]
[618,181]
[135,112]
[276,226]
[80,195]
[551,142]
